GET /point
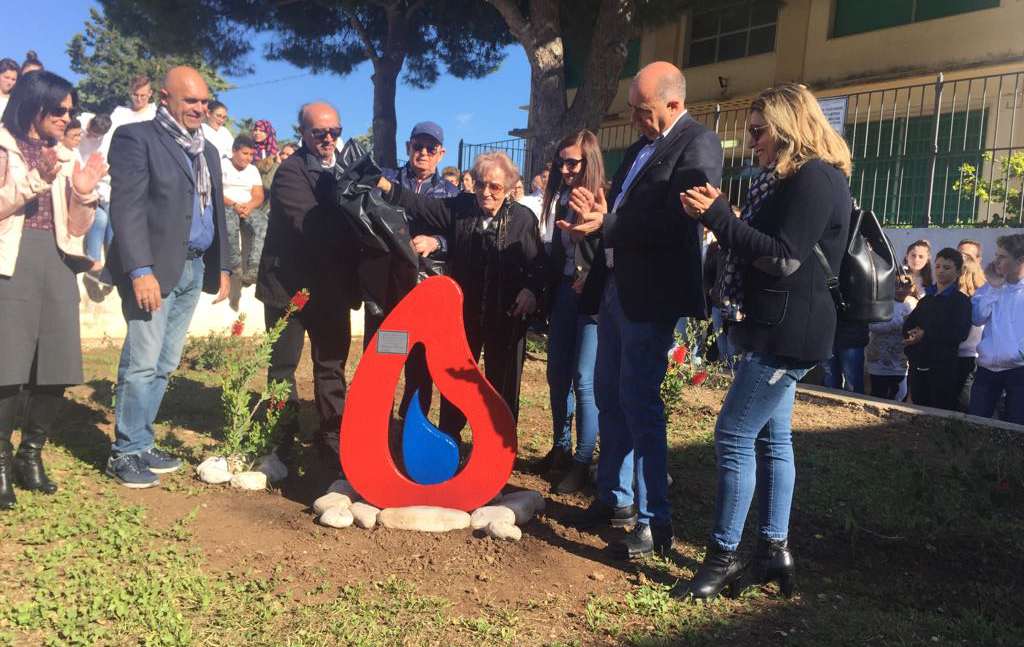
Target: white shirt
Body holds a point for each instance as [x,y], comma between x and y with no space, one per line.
[4,98]
[124,115]
[534,204]
[238,185]
[221,138]
[1001,311]
[638,165]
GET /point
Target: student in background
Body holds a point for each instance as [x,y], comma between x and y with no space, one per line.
[1000,308]
[933,332]
[972,278]
[886,361]
[918,263]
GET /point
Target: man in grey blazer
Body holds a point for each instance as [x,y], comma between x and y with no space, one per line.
[169,245]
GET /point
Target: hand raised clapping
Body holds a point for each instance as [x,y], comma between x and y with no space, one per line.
[85,178]
[698,199]
[589,209]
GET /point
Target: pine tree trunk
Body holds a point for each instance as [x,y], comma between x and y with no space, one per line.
[385,85]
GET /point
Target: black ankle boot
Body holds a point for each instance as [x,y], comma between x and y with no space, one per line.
[7,498]
[721,569]
[28,463]
[574,480]
[772,562]
[9,401]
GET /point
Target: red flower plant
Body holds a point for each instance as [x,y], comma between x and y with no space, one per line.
[699,378]
[277,404]
[300,299]
[1002,487]
[679,354]
[237,328]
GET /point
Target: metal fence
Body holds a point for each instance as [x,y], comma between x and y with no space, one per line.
[942,153]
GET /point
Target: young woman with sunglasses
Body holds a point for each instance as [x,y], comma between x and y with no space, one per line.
[47,203]
[577,171]
[775,292]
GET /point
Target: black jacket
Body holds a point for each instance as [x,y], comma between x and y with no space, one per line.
[789,311]
[520,254]
[587,253]
[656,246]
[152,197]
[946,321]
[310,243]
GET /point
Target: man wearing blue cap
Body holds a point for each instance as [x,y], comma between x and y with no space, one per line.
[425,149]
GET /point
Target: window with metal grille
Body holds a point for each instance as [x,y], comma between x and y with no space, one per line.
[733,31]
[859,16]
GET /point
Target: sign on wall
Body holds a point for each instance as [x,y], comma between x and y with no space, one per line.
[835,112]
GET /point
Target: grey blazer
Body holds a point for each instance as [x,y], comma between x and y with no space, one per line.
[152,194]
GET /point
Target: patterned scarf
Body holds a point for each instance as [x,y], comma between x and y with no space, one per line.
[729,283]
[267,147]
[193,145]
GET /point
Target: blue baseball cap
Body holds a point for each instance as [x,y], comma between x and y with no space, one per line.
[430,129]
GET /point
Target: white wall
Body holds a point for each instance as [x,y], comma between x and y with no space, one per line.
[105,319]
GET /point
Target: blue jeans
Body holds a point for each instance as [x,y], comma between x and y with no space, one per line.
[100,234]
[572,352]
[845,369]
[631,361]
[152,349]
[989,385]
[754,447]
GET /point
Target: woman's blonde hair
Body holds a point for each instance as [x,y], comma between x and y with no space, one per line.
[799,128]
[491,159]
[972,277]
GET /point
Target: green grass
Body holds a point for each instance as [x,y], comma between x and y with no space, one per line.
[906,532]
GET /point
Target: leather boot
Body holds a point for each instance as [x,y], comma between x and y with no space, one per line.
[7,498]
[574,480]
[721,569]
[772,562]
[9,402]
[43,410]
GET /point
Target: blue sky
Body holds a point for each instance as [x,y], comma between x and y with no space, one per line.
[477,111]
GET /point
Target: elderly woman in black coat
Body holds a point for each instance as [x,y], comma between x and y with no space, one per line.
[496,256]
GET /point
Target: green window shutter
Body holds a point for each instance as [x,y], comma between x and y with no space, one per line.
[928,9]
[859,16]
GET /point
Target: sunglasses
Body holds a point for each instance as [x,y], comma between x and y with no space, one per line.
[570,163]
[430,148]
[62,111]
[494,188]
[755,132]
[322,133]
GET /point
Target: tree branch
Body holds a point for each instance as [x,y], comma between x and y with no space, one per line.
[517,23]
[371,51]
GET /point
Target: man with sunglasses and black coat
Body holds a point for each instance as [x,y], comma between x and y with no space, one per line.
[310,246]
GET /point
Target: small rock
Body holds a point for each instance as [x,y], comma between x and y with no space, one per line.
[503,530]
[481,517]
[365,514]
[272,466]
[331,500]
[214,470]
[597,576]
[249,481]
[341,486]
[424,518]
[337,517]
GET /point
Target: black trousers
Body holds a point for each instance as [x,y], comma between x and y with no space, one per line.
[504,349]
[885,386]
[935,385]
[330,336]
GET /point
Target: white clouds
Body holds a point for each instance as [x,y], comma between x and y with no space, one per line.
[464,118]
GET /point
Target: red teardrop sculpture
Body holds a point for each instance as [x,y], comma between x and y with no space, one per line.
[430,314]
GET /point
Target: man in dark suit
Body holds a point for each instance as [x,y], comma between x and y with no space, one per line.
[169,245]
[309,246]
[652,276]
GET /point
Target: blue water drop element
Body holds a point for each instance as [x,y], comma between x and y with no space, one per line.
[430,455]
